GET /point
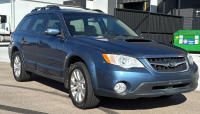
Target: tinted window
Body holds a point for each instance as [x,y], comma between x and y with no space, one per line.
[3,19]
[95,25]
[77,26]
[23,25]
[91,22]
[52,20]
[36,23]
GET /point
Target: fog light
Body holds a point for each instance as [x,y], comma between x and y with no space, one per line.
[120,87]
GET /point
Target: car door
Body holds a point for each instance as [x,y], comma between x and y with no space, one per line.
[50,54]
[29,38]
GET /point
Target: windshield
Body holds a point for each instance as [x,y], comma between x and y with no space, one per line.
[2,19]
[96,25]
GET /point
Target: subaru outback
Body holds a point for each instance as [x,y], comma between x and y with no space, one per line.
[94,54]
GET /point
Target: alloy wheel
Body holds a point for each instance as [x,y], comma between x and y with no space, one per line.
[77,83]
[17,66]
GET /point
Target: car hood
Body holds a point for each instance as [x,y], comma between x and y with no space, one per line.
[134,46]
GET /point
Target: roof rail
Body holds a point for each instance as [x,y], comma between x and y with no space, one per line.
[97,10]
[47,7]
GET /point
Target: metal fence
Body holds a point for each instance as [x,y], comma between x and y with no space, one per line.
[152,25]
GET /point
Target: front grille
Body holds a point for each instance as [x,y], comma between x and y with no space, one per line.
[162,64]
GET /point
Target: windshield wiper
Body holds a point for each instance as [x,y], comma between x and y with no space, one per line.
[117,35]
[105,35]
[87,35]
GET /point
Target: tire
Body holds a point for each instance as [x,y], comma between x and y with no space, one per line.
[19,72]
[76,85]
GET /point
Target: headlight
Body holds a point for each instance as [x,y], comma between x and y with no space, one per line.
[190,58]
[123,61]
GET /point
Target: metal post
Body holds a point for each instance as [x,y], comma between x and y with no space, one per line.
[179,7]
[198,23]
[163,6]
[149,23]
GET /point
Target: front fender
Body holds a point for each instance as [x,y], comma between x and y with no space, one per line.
[86,57]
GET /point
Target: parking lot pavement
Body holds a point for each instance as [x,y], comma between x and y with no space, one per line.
[4,52]
[42,95]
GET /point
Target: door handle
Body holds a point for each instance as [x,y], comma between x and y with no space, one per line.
[22,42]
[40,41]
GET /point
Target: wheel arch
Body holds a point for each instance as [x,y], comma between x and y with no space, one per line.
[76,56]
[13,50]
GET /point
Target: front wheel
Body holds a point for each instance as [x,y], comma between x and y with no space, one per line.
[80,87]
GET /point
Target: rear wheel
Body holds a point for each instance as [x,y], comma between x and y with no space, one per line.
[18,69]
[80,87]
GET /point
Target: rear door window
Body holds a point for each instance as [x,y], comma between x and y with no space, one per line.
[36,23]
[23,25]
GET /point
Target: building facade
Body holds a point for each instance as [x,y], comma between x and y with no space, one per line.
[189,9]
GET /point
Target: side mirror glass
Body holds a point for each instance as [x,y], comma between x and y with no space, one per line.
[52,31]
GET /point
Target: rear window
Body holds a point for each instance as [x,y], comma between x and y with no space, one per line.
[23,25]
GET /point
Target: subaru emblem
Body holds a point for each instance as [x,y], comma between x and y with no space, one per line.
[172,64]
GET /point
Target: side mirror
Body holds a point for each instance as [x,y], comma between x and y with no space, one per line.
[52,31]
[138,32]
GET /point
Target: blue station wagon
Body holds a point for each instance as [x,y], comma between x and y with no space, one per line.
[94,54]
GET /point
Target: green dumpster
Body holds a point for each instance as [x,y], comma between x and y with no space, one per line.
[187,39]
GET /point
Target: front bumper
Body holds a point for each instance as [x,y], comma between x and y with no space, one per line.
[154,89]
[144,82]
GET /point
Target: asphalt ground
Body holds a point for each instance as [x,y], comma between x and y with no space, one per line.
[42,95]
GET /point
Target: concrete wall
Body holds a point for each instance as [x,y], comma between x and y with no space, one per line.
[111,5]
[107,6]
[153,6]
[89,4]
[101,4]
